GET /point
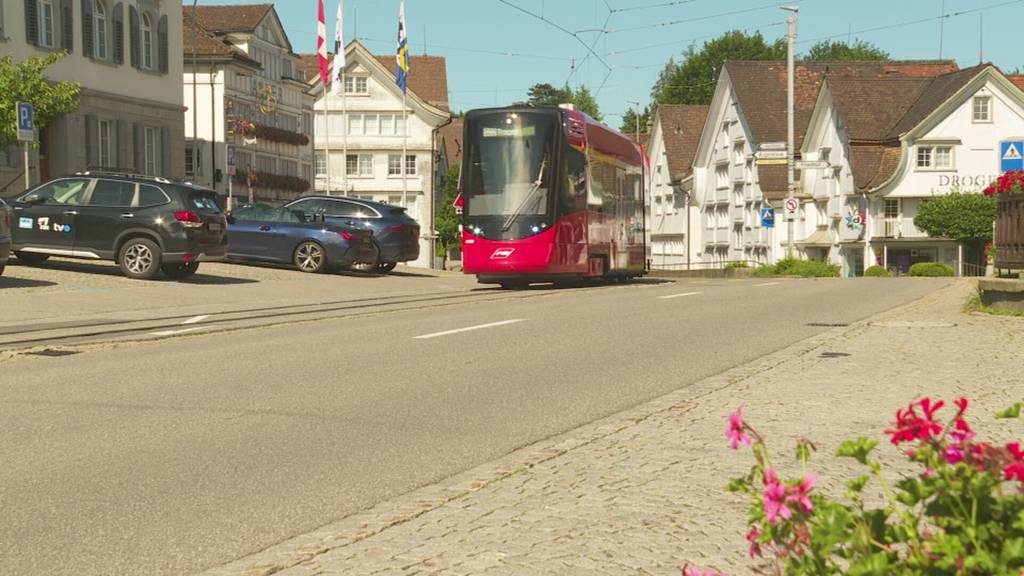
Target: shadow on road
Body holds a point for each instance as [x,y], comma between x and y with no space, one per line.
[100,269]
[8,282]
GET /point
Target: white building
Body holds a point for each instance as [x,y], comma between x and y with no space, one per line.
[250,91]
[731,187]
[893,143]
[672,217]
[359,145]
[126,55]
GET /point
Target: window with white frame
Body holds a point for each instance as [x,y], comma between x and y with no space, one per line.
[394,164]
[722,176]
[287,167]
[152,150]
[147,41]
[410,165]
[104,145]
[191,169]
[355,125]
[935,157]
[891,208]
[320,162]
[737,153]
[267,164]
[356,85]
[99,30]
[387,124]
[724,135]
[46,21]
[737,194]
[359,165]
[982,109]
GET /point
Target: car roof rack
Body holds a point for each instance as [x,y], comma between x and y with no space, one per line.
[123,174]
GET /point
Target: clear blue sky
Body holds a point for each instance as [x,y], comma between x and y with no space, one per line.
[465,31]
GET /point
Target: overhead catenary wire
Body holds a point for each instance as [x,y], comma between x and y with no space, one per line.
[915,22]
[509,54]
[696,19]
[691,40]
[649,6]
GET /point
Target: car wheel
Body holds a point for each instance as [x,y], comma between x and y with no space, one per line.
[31,258]
[140,258]
[385,267]
[181,270]
[310,257]
[372,266]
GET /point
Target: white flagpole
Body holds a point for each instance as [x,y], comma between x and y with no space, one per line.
[405,152]
[327,137]
[344,133]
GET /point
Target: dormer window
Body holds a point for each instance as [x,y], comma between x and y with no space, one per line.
[356,85]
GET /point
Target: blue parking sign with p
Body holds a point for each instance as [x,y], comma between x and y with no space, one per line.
[1011,155]
[26,122]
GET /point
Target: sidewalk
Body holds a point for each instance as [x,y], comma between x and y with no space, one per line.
[642,492]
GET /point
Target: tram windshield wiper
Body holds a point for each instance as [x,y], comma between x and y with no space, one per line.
[534,187]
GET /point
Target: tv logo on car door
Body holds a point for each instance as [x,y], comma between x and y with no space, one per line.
[502,253]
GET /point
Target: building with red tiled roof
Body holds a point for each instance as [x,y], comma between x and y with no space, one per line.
[675,133]
[377,143]
[250,93]
[740,169]
[890,144]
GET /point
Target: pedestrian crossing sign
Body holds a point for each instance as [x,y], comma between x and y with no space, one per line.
[1011,155]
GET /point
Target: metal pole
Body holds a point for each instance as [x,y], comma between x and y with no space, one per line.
[790,137]
[405,151]
[344,131]
[327,140]
[28,177]
[213,131]
[195,100]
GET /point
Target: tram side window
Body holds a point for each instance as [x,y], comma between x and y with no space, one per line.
[603,182]
[575,196]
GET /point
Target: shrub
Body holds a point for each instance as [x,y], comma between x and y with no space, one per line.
[877,272]
[807,268]
[931,269]
[733,265]
[960,515]
[765,271]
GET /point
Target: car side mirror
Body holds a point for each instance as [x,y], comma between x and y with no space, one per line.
[33,199]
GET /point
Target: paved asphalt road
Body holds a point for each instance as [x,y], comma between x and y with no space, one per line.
[174,456]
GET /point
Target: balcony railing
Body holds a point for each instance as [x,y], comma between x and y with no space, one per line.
[889,228]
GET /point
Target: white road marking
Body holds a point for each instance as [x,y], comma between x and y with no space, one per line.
[176,332]
[467,329]
[195,320]
[670,296]
[767,284]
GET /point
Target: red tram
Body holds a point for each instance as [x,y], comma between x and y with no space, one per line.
[550,195]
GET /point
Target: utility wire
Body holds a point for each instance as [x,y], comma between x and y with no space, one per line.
[691,40]
[558,27]
[698,19]
[476,50]
[914,22]
[647,6]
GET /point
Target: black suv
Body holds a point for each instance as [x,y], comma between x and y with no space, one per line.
[144,224]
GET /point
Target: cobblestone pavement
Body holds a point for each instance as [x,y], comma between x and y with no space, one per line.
[642,492]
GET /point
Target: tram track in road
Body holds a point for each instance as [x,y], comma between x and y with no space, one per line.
[32,338]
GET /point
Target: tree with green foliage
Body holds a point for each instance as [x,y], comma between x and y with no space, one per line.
[964,217]
[581,98]
[859,50]
[446,221]
[693,80]
[629,121]
[26,82]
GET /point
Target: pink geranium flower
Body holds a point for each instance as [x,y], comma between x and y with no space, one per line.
[735,430]
[689,570]
[775,498]
[953,455]
[754,537]
[799,494]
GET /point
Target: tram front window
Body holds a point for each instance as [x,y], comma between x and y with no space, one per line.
[510,166]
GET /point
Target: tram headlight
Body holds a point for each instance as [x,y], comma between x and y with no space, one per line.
[535,229]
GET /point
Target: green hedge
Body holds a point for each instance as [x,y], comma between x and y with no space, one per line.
[877,272]
[802,268]
[931,269]
[733,265]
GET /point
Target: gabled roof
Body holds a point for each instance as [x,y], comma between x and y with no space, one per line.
[208,46]
[760,88]
[450,137]
[428,76]
[1017,79]
[681,127]
[229,18]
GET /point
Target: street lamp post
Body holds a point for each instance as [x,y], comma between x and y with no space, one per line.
[790,138]
[195,97]
[636,104]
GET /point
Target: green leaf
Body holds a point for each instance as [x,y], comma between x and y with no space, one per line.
[857,484]
[858,449]
[1011,412]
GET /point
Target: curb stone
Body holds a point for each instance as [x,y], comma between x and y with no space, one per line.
[302,550]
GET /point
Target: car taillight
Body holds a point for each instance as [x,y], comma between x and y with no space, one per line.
[394,228]
[347,235]
[189,219]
